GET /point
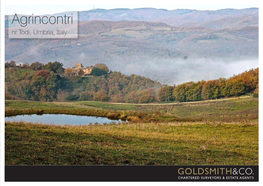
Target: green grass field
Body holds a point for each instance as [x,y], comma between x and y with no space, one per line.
[132,144]
[225,110]
[17,74]
[226,134]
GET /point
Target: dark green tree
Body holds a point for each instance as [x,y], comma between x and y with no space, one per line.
[98,72]
[36,66]
[56,67]
[102,67]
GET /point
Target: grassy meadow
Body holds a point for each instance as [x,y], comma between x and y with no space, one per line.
[132,144]
[216,132]
[244,109]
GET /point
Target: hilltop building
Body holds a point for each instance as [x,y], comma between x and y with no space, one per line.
[79,67]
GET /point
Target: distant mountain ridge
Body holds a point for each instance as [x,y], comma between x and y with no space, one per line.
[179,17]
[224,18]
[144,43]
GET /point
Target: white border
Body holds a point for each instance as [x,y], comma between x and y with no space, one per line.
[100,3]
[2,108]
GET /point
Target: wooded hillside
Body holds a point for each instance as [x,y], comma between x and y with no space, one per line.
[51,82]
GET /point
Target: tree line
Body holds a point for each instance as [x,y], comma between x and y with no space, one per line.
[244,83]
[51,82]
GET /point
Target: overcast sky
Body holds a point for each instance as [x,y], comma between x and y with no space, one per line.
[35,7]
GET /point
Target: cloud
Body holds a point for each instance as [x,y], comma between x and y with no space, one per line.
[177,71]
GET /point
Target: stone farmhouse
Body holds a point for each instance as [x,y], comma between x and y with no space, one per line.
[78,67]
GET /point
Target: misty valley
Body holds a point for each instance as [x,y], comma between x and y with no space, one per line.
[138,86]
[171,47]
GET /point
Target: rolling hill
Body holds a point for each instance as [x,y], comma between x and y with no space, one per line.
[179,17]
[167,46]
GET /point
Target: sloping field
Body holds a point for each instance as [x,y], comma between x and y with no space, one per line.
[132,144]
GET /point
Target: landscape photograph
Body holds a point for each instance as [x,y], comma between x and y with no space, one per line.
[138,86]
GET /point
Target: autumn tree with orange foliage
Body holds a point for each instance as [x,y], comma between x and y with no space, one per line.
[244,83]
[68,72]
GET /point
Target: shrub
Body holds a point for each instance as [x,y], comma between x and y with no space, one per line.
[123,117]
[133,118]
[113,115]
